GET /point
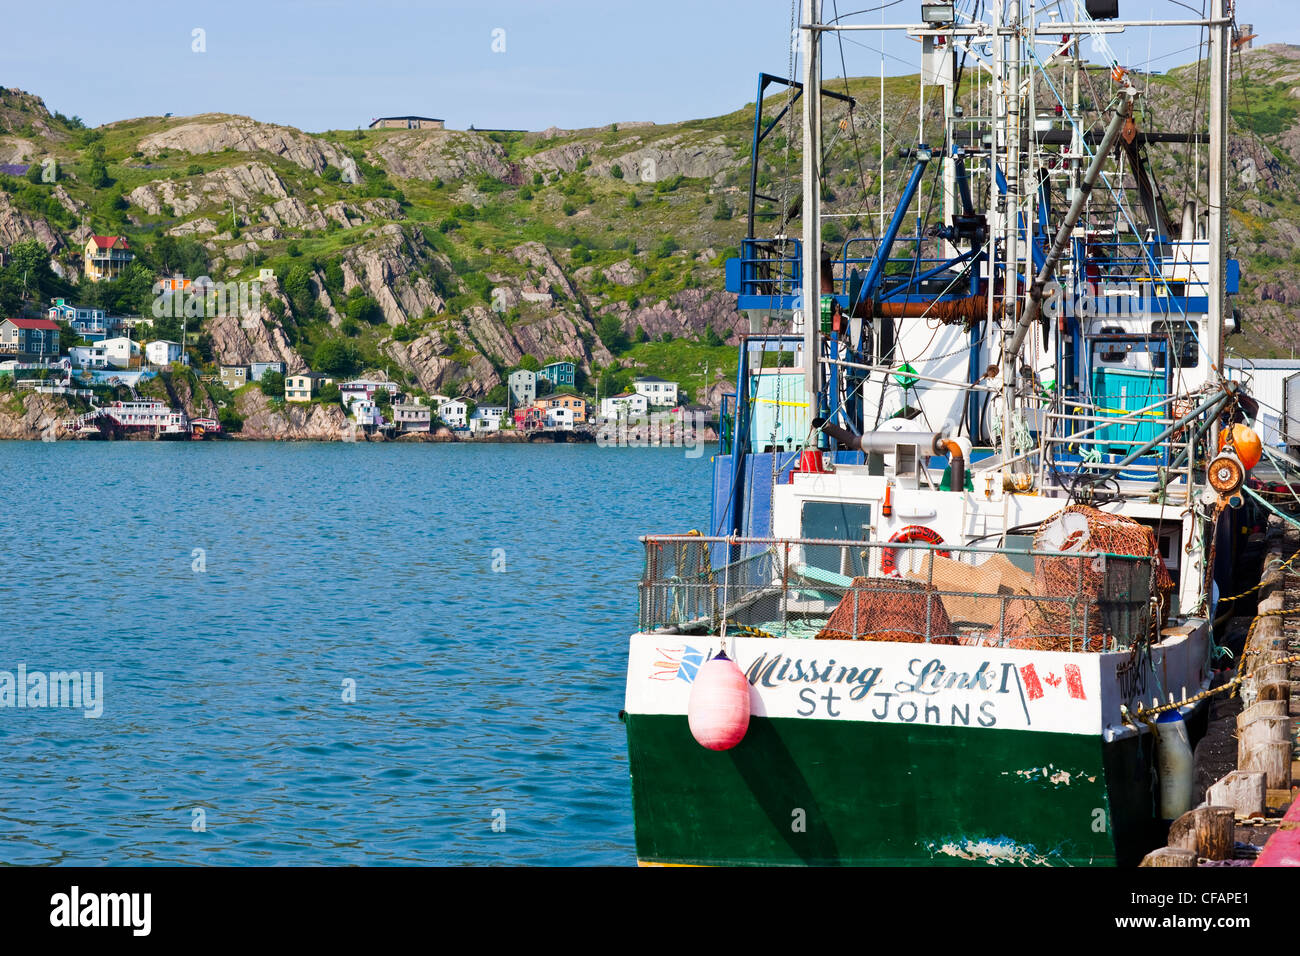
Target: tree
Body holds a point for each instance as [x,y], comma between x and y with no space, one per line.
[337,357]
[272,384]
[297,287]
[611,333]
[360,307]
[329,394]
[529,362]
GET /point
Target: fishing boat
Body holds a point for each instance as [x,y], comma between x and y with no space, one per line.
[979,484]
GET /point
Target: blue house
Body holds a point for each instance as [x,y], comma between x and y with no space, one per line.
[558,373]
[92,324]
[257,369]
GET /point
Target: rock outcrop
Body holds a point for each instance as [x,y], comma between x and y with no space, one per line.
[41,417]
[307,422]
[441,154]
[214,133]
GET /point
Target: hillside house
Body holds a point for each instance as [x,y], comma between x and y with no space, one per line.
[257,369]
[454,413]
[234,376]
[121,352]
[412,416]
[163,352]
[487,418]
[575,403]
[627,405]
[106,257]
[30,339]
[660,393]
[559,418]
[559,373]
[364,390]
[303,386]
[88,323]
[522,386]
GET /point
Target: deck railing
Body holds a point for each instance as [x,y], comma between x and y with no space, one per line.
[914,592]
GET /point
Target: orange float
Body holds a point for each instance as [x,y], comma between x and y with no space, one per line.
[1245,442]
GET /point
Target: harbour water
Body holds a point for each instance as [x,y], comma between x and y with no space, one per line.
[479,597]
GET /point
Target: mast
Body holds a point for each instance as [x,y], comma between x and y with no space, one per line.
[1010,205]
[1218,161]
[812,136]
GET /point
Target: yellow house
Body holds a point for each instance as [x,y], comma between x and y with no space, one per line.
[301,387]
[106,257]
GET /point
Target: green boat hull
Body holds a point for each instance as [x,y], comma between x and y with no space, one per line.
[834,792]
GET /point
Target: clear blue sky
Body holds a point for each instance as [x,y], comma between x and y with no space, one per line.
[568,63]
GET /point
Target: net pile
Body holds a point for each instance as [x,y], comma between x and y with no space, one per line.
[1097,600]
[890,609]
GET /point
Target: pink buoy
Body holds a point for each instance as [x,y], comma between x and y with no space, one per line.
[718,711]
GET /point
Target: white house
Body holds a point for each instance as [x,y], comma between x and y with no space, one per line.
[163,352]
[627,405]
[366,413]
[658,392]
[120,352]
[88,356]
[487,418]
[454,412]
[559,418]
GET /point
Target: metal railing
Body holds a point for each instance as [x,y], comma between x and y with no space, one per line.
[912,592]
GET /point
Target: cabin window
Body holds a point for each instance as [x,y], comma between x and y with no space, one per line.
[1113,351]
[836,521]
[1179,340]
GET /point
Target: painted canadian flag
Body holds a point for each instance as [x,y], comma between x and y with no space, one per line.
[1034,685]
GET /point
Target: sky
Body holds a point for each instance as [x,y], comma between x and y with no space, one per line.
[514,64]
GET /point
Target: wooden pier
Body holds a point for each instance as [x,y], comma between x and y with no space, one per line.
[1250,815]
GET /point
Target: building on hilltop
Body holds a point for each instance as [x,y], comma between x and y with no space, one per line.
[407,122]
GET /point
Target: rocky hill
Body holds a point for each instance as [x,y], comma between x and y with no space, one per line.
[444,258]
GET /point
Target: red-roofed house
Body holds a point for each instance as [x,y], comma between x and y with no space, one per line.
[106,257]
[30,338]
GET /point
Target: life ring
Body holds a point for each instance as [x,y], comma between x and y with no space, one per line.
[913,532]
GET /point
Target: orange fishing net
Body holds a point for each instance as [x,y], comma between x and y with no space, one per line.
[1089,586]
[889,609]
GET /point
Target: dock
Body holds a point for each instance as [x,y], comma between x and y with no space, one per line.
[1248,763]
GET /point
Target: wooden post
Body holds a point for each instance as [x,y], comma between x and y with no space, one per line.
[1215,833]
[1206,831]
[1274,759]
[1279,690]
[1242,790]
[1259,731]
[1169,856]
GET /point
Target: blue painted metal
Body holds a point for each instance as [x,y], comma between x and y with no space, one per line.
[881,258]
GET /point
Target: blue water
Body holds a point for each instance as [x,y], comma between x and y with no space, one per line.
[482,696]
